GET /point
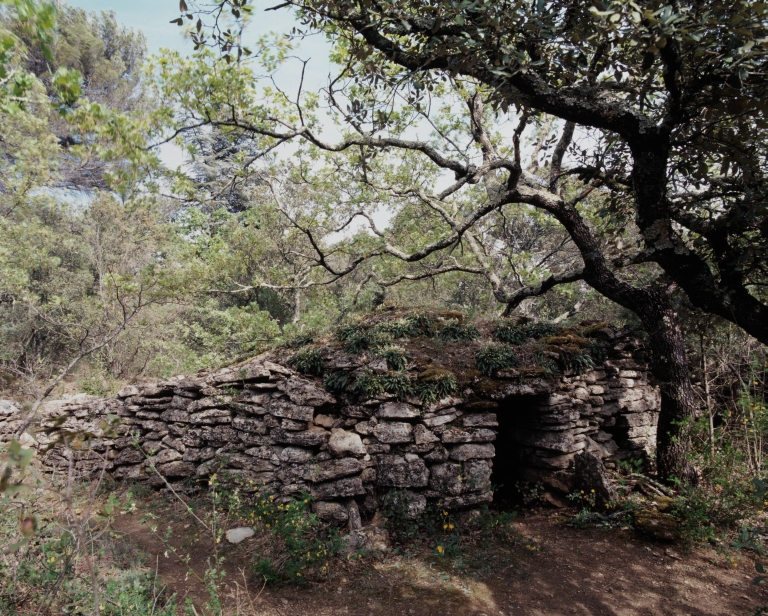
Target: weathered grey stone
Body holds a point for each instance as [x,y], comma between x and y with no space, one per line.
[308,438]
[295,455]
[410,503]
[365,427]
[165,455]
[440,420]
[129,456]
[477,475]
[438,454]
[330,511]
[305,393]
[466,500]
[591,476]
[216,436]
[193,454]
[423,436]
[340,488]
[393,432]
[480,420]
[343,443]
[288,410]
[292,424]
[249,424]
[175,415]
[367,538]
[209,403]
[472,451]
[471,435]
[243,461]
[395,471]
[333,469]
[211,416]
[128,391]
[178,468]
[397,410]
[445,478]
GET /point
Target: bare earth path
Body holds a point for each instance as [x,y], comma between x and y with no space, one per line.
[554,569]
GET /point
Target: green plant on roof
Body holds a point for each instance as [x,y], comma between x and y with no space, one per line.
[549,367]
[395,357]
[580,362]
[453,330]
[308,361]
[542,330]
[425,324]
[336,380]
[397,383]
[494,357]
[368,385]
[300,340]
[598,350]
[509,332]
[401,328]
[357,338]
[436,384]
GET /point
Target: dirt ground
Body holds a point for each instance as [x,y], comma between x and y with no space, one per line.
[550,569]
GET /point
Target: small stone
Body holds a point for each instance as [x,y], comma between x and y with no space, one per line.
[324,420]
[330,511]
[344,443]
[236,535]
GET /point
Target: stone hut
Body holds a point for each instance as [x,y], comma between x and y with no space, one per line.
[265,425]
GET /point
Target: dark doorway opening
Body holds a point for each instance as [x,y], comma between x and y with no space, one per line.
[515,415]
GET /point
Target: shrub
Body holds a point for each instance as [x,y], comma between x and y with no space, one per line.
[304,545]
[308,361]
[509,332]
[494,357]
[453,330]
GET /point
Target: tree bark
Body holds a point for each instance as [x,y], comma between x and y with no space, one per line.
[669,365]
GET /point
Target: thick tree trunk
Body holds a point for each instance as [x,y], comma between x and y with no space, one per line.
[669,365]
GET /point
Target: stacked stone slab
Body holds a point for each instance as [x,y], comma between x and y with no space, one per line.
[611,411]
[267,427]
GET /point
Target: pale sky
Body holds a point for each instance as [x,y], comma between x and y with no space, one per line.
[153,16]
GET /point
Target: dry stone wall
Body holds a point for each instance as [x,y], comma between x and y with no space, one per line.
[266,426]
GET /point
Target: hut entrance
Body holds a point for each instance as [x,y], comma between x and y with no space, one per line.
[514,414]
